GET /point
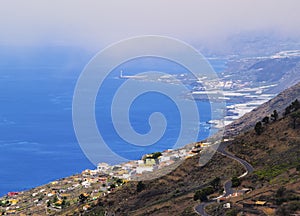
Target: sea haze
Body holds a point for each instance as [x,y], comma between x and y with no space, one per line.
[37,139]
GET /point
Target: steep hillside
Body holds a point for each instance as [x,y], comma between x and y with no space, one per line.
[275,155]
[279,103]
[169,195]
[280,70]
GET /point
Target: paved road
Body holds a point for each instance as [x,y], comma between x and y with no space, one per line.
[200,209]
[248,167]
[228,188]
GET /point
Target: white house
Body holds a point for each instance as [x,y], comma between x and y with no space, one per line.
[164,158]
[126,176]
[103,167]
[141,169]
[86,184]
[140,162]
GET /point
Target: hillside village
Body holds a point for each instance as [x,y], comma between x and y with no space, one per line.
[151,162]
[88,186]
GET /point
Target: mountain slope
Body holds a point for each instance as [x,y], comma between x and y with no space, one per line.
[275,155]
[279,103]
[170,194]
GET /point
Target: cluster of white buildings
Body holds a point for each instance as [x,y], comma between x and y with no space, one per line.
[134,168]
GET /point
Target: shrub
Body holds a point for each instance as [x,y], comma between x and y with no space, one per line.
[235,181]
[274,115]
[258,128]
[140,186]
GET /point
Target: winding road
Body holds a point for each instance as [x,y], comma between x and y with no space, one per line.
[200,209]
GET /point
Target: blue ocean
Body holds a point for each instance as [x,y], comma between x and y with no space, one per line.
[37,139]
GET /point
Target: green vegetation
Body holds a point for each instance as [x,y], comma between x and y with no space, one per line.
[232,212]
[55,199]
[203,193]
[294,106]
[140,186]
[282,196]
[295,116]
[200,195]
[289,208]
[216,183]
[235,181]
[258,128]
[98,211]
[266,120]
[4,203]
[117,180]
[154,155]
[274,115]
[82,198]
[271,172]
[112,186]
[292,110]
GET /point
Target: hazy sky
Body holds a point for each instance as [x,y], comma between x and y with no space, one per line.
[96,23]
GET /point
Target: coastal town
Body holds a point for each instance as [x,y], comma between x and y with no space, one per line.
[85,188]
[131,170]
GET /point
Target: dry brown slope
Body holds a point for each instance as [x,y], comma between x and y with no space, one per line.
[171,194]
[275,155]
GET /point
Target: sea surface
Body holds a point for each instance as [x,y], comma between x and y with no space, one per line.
[37,138]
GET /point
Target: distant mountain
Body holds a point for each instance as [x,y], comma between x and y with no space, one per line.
[280,70]
[257,43]
[249,44]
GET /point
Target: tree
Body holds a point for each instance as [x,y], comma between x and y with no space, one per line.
[216,183]
[258,128]
[266,120]
[287,110]
[200,195]
[140,186]
[235,181]
[82,198]
[203,193]
[296,105]
[156,155]
[55,199]
[295,116]
[280,192]
[63,203]
[119,181]
[274,116]
[208,190]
